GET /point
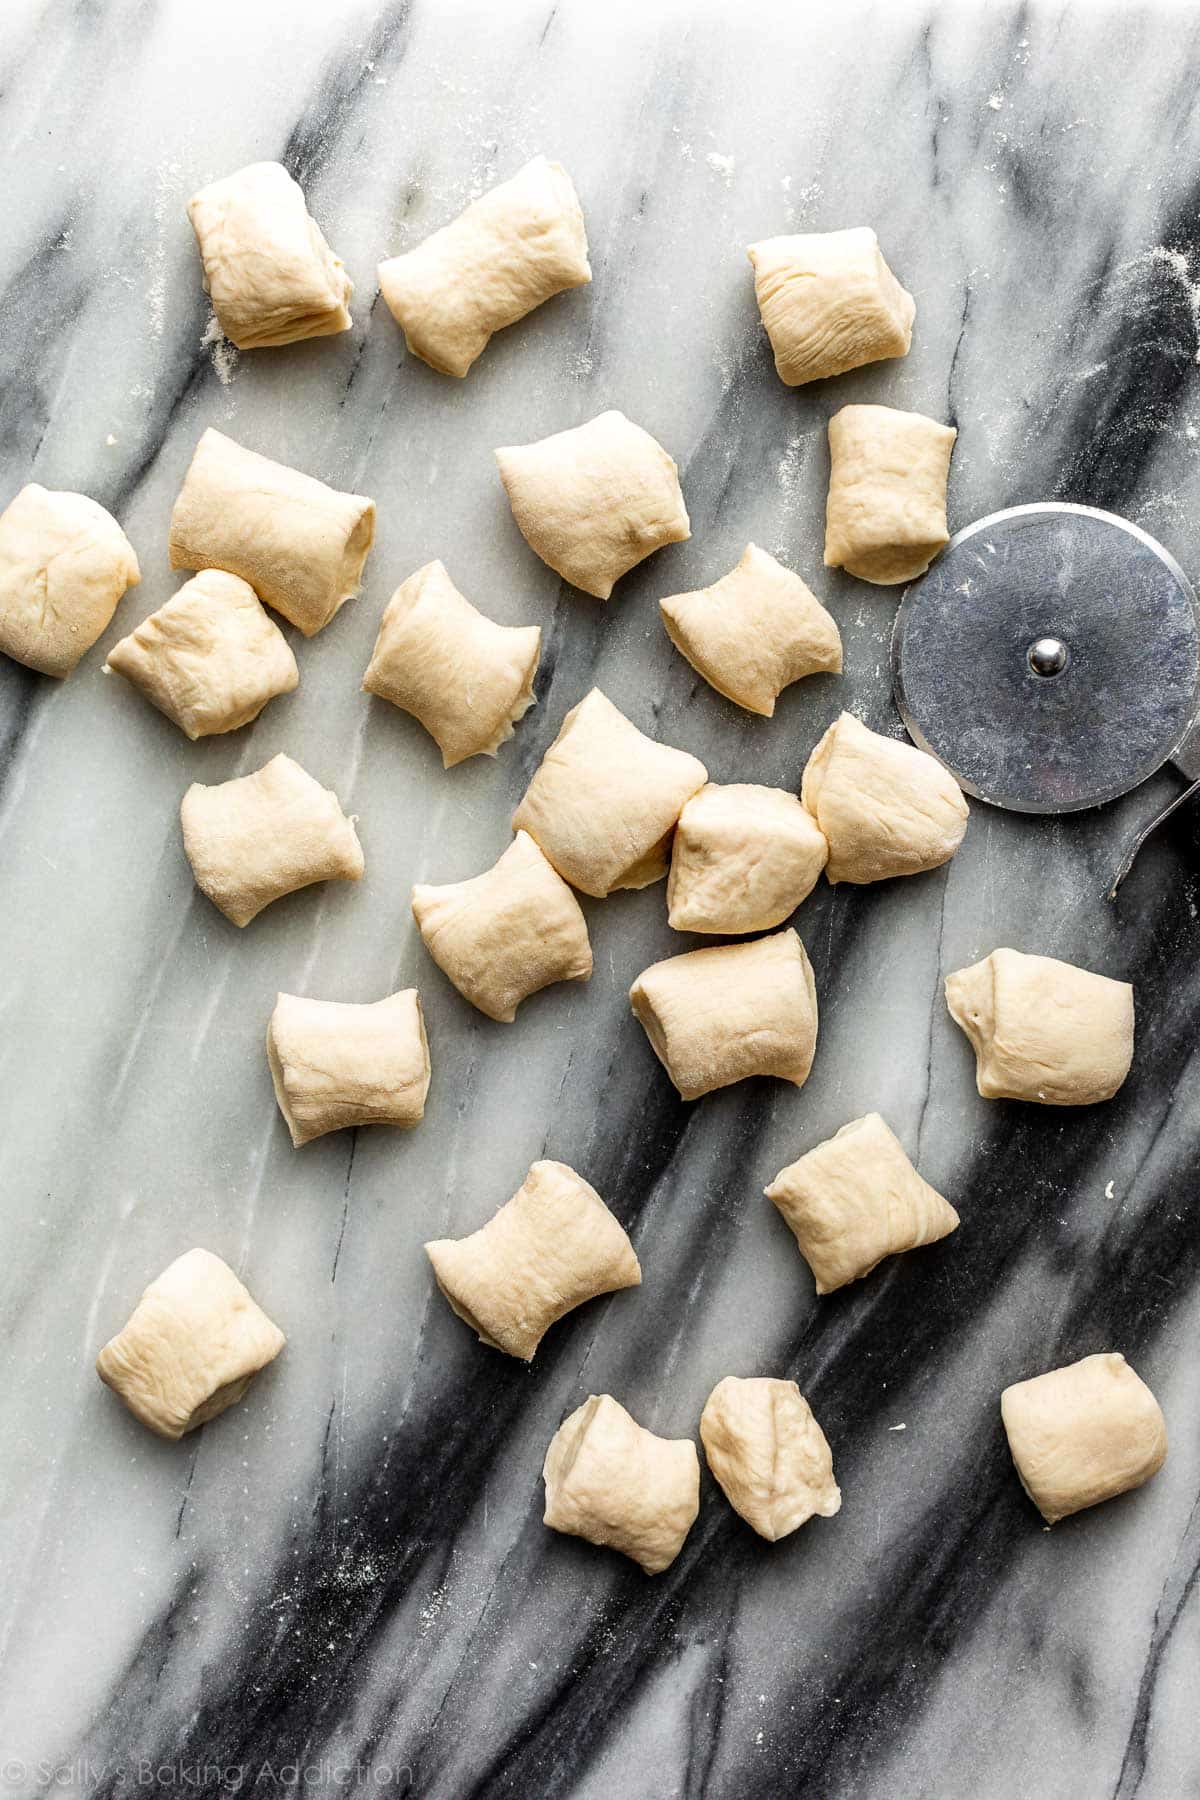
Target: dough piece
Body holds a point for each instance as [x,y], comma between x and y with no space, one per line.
[1043,1030]
[884,807]
[716,1016]
[271,276]
[254,839]
[64,564]
[337,1066]
[507,933]
[596,501]
[885,517]
[855,1199]
[465,678]
[743,859]
[519,245]
[548,1249]
[1083,1434]
[769,1454]
[210,659]
[829,303]
[192,1346]
[300,545]
[611,1481]
[604,800]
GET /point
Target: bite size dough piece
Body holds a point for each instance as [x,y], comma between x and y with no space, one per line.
[1083,1434]
[548,1249]
[743,858]
[300,545]
[466,679]
[829,303]
[335,1065]
[595,501]
[768,1454]
[885,515]
[884,808]
[64,565]
[604,800]
[517,246]
[270,274]
[191,1348]
[1043,1030]
[260,836]
[507,933]
[611,1481]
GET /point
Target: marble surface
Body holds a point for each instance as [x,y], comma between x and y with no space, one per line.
[349,1572]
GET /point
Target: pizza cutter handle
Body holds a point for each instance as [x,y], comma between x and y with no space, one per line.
[1147,831]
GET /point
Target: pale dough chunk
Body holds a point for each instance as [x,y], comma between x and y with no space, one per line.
[885,517]
[191,1348]
[604,800]
[64,564]
[611,1481]
[519,245]
[1083,1434]
[769,1454]
[507,933]
[254,839]
[596,501]
[754,632]
[336,1065]
[300,545]
[743,859]
[716,1016]
[465,678]
[271,276]
[885,808]
[1043,1030]
[855,1199]
[829,303]
[548,1249]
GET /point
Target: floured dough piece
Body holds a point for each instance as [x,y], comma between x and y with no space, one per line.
[769,1454]
[64,564]
[885,517]
[335,1065]
[519,245]
[611,1481]
[743,858]
[596,501]
[254,839]
[191,1348]
[548,1249]
[1083,1434]
[507,933]
[1043,1030]
[604,800]
[465,678]
[300,545]
[884,807]
[829,303]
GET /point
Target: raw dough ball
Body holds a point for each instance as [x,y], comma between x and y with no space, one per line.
[715,1016]
[1083,1434]
[519,245]
[885,808]
[743,859]
[596,501]
[272,277]
[829,303]
[548,1249]
[1043,1030]
[754,632]
[507,933]
[465,678]
[336,1065]
[855,1199]
[769,1454]
[64,564]
[300,545]
[885,518]
[605,798]
[611,1481]
[192,1347]
[254,839]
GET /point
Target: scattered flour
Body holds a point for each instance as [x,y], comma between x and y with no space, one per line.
[995,101]
[897,1427]
[224,354]
[1108,1192]
[721,165]
[166,201]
